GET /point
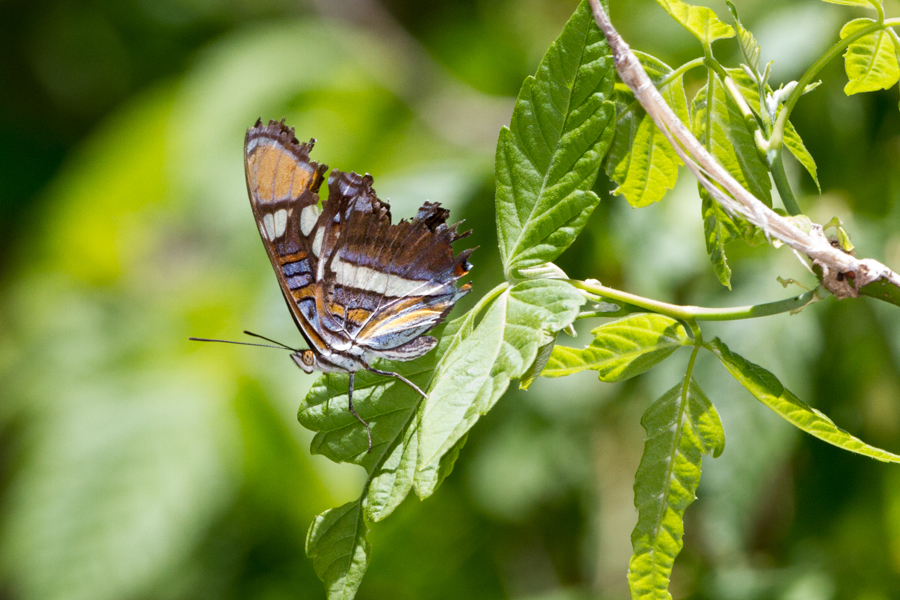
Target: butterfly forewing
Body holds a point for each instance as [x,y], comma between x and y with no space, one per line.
[283,185]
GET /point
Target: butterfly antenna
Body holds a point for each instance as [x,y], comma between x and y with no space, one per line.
[196,339]
[262,337]
[400,377]
[353,412]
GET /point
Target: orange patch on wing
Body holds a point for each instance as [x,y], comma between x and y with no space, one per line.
[358,315]
[307,291]
[336,309]
[264,169]
[289,258]
[301,179]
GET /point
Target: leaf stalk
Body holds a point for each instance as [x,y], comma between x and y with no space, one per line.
[699,313]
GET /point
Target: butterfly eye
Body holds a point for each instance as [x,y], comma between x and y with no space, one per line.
[308,358]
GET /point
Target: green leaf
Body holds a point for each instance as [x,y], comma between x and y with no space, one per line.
[428,479]
[794,143]
[537,367]
[385,403]
[718,229]
[621,349]
[337,544]
[389,406]
[792,140]
[699,20]
[749,46]
[870,61]
[641,160]
[681,427]
[548,159]
[720,127]
[768,390]
[479,365]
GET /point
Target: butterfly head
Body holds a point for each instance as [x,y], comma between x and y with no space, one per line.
[306,360]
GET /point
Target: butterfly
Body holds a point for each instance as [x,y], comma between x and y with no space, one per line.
[358,288]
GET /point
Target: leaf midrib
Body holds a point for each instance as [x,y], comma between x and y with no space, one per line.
[514,251]
[685,391]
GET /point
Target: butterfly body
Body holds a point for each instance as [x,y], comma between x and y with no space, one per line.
[358,287]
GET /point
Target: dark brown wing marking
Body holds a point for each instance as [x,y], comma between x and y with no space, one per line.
[396,282]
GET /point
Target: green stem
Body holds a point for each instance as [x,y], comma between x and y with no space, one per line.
[876,4]
[784,186]
[778,131]
[699,313]
[734,91]
[689,372]
[624,309]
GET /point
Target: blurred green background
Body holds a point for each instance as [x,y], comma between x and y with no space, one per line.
[137,465]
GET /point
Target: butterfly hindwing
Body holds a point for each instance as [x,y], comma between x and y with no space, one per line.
[392,282]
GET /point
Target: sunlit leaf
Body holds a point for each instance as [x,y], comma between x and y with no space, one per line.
[870,61]
[477,369]
[621,349]
[768,390]
[681,427]
[720,127]
[749,45]
[641,160]
[338,547]
[548,158]
[699,20]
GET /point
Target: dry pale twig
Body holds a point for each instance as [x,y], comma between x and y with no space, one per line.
[843,274]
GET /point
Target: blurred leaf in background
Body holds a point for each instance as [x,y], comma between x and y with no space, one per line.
[135,464]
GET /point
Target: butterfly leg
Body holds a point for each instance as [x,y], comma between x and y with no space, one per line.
[353,412]
[398,376]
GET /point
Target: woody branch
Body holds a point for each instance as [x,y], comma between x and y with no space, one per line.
[834,263]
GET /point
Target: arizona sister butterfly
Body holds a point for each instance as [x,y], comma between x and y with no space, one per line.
[358,287]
